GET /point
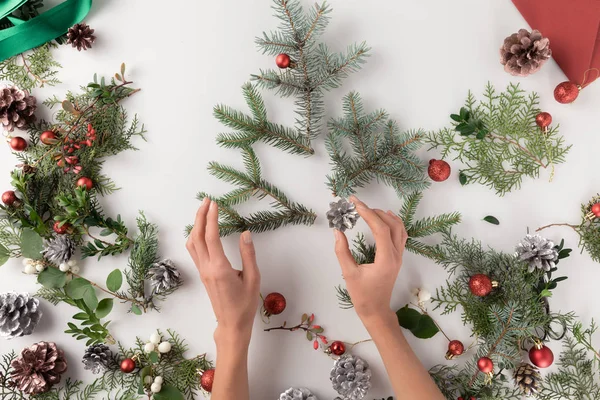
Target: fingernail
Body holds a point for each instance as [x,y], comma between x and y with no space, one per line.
[213,204]
[391,213]
[353,199]
[247,237]
[204,201]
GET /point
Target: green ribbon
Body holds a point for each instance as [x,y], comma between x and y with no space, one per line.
[26,35]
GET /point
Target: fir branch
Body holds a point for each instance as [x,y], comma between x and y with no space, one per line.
[344,299]
[143,254]
[32,69]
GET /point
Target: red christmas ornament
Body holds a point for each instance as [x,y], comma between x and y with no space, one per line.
[455,349]
[481,285]
[274,304]
[439,170]
[543,120]
[566,92]
[85,182]
[541,356]
[9,197]
[207,379]
[337,348]
[596,209]
[61,230]
[283,60]
[127,365]
[485,365]
[48,137]
[17,143]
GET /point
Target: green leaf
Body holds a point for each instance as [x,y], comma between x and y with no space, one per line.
[560,279]
[90,299]
[136,310]
[408,317]
[492,220]
[463,178]
[68,107]
[4,255]
[546,293]
[153,356]
[81,316]
[421,325]
[144,372]
[114,280]
[426,328]
[52,278]
[309,335]
[104,308]
[31,244]
[78,287]
[169,392]
[455,117]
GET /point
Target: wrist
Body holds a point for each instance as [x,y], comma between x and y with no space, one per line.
[385,318]
[228,338]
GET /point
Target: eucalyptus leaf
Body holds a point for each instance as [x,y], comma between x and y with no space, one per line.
[90,299]
[168,392]
[104,308]
[114,280]
[52,278]
[492,220]
[78,287]
[4,255]
[136,310]
[153,356]
[31,244]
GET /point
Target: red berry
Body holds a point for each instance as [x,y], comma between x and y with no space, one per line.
[48,137]
[17,143]
[207,379]
[85,183]
[9,197]
[61,229]
[283,60]
[72,160]
[439,170]
[316,344]
[127,365]
[274,304]
[337,348]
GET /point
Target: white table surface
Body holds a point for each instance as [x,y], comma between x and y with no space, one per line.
[190,55]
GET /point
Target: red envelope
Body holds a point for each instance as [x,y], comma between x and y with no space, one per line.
[573,27]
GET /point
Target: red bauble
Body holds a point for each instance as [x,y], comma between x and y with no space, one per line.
[207,379]
[543,119]
[439,170]
[566,92]
[274,304]
[61,230]
[481,285]
[337,348]
[485,365]
[48,137]
[283,60]
[9,197]
[17,143]
[127,365]
[541,356]
[85,183]
[455,349]
[596,209]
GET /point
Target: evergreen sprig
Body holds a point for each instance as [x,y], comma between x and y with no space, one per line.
[498,141]
[380,152]
[31,69]
[251,184]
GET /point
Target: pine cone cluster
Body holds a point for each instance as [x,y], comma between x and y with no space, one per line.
[19,314]
[59,249]
[81,36]
[351,377]
[97,358]
[38,368]
[538,252]
[342,215]
[17,108]
[528,378]
[164,276]
[523,53]
[297,394]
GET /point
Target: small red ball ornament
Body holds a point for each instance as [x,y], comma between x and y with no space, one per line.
[9,197]
[566,92]
[485,365]
[543,119]
[337,348]
[455,349]
[48,137]
[481,285]
[283,60]
[596,209]
[207,379]
[274,304]
[17,143]
[541,356]
[85,182]
[127,365]
[439,170]
[61,230]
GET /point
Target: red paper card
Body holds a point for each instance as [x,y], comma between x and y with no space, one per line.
[573,27]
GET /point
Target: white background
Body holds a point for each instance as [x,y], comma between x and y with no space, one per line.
[188,56]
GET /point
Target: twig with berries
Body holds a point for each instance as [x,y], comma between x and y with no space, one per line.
[313,332]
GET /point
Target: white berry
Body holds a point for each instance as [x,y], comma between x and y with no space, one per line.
[29,269]
[39,267]
[75,269]
[72,263]
[26,261]
[164,347]
[424,296]
[148,380]
[415,292]
[159,380]
[64,267]
[149,347]
[156,387]
[155,338]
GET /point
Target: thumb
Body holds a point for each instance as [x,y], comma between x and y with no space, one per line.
[343,253]
[251,272]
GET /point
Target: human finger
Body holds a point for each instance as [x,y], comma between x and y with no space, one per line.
[248,253]
[343,253]
[381,230]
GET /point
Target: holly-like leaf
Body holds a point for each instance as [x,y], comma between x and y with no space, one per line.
[169,392]
[492,220]
[31,244]
[52,278]
[114,280]
[104,308]
[4,255]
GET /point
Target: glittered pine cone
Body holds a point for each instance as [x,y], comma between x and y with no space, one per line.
[297,394]
[19,314]
[528,378]
[524,52]
[351,377]
[97,358]
[538,252]
[17,108]
[59,249]
[81,36]
[38,368]
[164,276]
[342,215]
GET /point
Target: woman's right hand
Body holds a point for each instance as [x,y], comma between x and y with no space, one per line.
[371,285]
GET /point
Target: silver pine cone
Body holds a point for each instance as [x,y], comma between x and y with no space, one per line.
[528,378]
[351,377]
[297,394]
[17,108]
[538,252]
[164,276]
[59,249]
[524,52]
[97,358]
[342,215]
[19,314]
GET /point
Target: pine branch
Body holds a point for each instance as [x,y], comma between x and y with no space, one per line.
[143,254]
[32,69]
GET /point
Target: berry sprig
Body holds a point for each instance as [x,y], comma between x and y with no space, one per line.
[313,332]
[66,159]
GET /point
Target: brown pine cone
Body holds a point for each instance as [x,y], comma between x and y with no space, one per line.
[38,368]
[17,108]
[81,36]
[525,52]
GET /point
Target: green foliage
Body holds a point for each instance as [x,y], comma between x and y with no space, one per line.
[419,324]
[31,244]
[492,220]
[251,184]
[344,299]
[34,68]
[498,140]
[143,254]
[381,152]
